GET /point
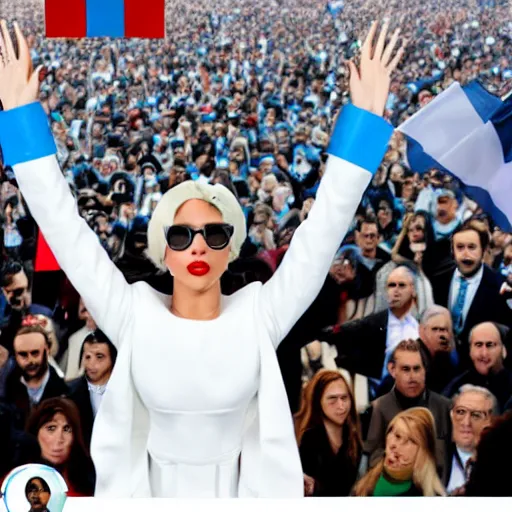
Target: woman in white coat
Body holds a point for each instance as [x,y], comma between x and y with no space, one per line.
[196,405]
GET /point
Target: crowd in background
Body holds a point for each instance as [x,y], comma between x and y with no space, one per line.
[400,366]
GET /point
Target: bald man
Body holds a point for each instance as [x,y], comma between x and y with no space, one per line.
[364,346]
[487,352]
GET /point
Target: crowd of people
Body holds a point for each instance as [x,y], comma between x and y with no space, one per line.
[398,374]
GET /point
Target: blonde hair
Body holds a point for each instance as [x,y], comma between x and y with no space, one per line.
[217,195]
[421,425]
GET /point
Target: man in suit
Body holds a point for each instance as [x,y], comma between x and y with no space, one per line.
[407,367]
[98,356]
[487,353]
[364,345]
[32,380]
[472,291]
[471,411]
[367,238]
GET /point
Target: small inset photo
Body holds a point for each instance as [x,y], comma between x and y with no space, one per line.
[34,488]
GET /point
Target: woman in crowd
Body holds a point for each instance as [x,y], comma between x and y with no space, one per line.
[146,437]
[408,466]
[328,435]
[55,423]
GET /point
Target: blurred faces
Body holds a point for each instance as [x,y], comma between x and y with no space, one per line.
[97,363]
[195,213]
[342,271]
[56,439]
[17,292]
[446,209]
[367,239]
[37,496]
[416,230]
[336,402]
[384,214]
[31,353]
[471,413]
[437,334]
[486,349]
[467,252]
[408,372]
[400,289]
[401,450]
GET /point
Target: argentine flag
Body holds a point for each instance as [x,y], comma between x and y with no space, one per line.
[335,7]
[467,132]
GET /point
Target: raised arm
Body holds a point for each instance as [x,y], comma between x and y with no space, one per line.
[357,146]
[27,144]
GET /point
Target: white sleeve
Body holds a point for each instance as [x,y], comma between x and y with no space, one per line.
[76,247]
[358,144]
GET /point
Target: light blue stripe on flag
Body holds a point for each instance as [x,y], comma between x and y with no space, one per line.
[467,132]
[105,18]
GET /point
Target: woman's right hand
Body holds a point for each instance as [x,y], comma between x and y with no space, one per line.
[19,84]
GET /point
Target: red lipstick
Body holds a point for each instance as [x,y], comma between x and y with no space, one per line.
[199,268]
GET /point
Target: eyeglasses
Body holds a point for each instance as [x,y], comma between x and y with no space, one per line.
[217,236]
[461,412]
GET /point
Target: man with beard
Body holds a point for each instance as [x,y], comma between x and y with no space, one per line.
[472,291]
[32,380]
[98,356]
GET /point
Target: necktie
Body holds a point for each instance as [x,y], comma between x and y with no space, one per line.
[458,307]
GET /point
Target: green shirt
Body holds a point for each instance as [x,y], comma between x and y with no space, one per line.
[385,487]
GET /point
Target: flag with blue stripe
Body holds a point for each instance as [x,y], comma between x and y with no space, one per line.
[467,132]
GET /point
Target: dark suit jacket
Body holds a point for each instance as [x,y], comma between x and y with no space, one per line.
[361,344]
[499,384]
[16,395]
[487,306]
[388,406]
[79,393]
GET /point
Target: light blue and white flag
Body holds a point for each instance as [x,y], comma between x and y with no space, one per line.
[335,7]
[467,132]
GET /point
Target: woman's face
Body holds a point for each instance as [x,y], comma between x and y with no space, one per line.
[342,271]
[416,231]
[56,439]
[196,213]
[401,450]
[336,402]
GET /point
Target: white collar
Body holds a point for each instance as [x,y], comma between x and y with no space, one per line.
[45,380]
[474,278]
[97,389]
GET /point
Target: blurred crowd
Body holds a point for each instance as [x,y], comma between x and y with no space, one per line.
[398,373]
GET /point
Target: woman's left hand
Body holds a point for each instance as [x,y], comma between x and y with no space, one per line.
[369,86]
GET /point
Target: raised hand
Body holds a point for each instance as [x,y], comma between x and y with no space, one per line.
[19,84]
[369,86]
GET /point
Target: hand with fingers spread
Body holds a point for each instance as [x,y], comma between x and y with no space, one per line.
[19,84]
[369,86]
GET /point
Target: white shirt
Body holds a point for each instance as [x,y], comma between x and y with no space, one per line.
[96,395]
[458,474]
[195,408]
[473,284]
[35,394]
[399,330]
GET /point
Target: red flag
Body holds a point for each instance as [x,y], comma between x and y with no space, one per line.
[45,260]
[65,18]
[144,19]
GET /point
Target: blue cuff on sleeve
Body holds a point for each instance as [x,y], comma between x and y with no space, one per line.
[360,138]
[25,134]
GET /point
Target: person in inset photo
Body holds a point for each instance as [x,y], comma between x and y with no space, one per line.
[38,494]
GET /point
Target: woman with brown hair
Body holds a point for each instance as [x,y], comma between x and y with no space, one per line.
[56,425]
[328,435]
[408,467]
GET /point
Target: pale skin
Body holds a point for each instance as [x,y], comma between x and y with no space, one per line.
[194,297]
[56,439]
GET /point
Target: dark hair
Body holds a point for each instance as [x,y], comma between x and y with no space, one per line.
[79,468]
[408,346]
[9,270]
[369,219]
[30,485]
[96,337]
[474,225]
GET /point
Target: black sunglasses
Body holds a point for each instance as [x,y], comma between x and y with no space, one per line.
[217,236]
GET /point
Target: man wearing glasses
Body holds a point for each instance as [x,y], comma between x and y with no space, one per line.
[38,494]
[472,410]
